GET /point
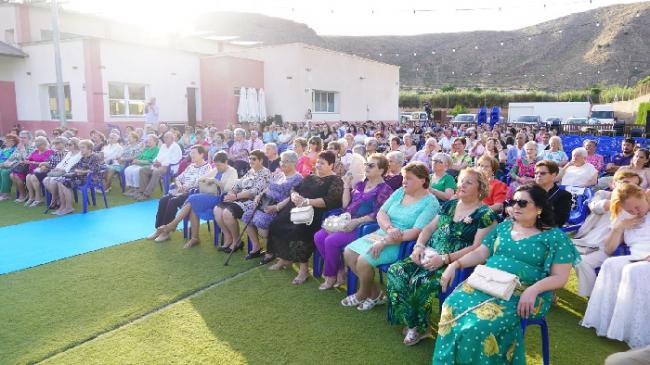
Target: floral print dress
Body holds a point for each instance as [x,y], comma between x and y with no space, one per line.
[412,288]
[491,334]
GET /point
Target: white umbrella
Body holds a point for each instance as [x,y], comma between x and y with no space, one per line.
[242,108]
[262,101]
[253,108]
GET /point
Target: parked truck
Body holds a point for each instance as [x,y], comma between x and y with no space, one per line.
[548,110]
[604,113]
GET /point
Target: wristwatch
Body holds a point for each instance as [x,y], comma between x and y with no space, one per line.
[444,259]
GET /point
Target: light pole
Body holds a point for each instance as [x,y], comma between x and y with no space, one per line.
[56,40]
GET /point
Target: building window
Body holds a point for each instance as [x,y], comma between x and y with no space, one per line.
[126,100]
[54,107]
[324,102]
[10,36]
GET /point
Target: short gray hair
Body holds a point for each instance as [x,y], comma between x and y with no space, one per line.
[289,156]
[41,140]
[152,136]
[343,142]
[443,157]
[271,145]
[60,139]
[239,131]
[398,155]
[360,149]
[580,151]
[372,140]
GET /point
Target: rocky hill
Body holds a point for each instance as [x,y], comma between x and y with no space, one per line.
[609,45]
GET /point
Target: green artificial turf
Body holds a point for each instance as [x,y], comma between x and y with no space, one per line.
[46,309]
[13,213]
[260,318]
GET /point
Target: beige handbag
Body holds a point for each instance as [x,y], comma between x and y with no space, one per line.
[209,186]
[495,282]
[302,215]
[337,223]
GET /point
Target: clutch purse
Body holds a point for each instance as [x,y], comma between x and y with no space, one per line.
[302,215]
[337,223]
[209,186]
[495,282]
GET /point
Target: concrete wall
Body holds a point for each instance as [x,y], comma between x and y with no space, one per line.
[220,76]
[7,21]
[167,74]
[366,89]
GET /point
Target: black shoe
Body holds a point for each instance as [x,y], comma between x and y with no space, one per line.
[253,255]
[266,259]
[239,247]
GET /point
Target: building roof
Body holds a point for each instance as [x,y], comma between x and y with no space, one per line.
[11,51]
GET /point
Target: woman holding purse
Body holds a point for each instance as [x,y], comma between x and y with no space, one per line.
[55,175]
[478,328]
[270,202]
[361,203]
[19,174]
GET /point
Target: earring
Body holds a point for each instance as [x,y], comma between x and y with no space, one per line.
[539,213]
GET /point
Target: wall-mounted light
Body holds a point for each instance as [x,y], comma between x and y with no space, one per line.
[30,74]
[173,74]
[308,69]
[289,77]
[75,67]
[361,78]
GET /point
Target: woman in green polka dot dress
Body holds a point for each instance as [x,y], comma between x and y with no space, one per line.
[528,247]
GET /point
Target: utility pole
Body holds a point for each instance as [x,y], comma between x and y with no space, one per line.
[56,40]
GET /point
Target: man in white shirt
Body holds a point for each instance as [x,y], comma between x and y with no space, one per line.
[446,140]
[170,153]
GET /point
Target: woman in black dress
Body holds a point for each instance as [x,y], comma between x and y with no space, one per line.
[291,242]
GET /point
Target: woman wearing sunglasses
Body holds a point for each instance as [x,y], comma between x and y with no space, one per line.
[458,229]
[362,201]
[527,246]
[443,185]
[239,199]
[618,303]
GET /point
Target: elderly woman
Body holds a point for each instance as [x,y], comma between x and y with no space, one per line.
[401,218]
[239,199]
[618,303]
[295,242]
[35,178]
[394,175]
[169,204]
[443,185]
[458,229]
[28,165]
[590,238]
[372,145]
[592,157]
[11,142]
[362,202]
[55,175]
[113,149]
[201,205]
[131,151]
[145,159]
[578,172]
[524,169]
[239,151]
[459,157]
[89,163]
[496,195]
[555,152]
[271,198]
[477,328]
[408,148]
[271,157]
[424,155]
[21,150]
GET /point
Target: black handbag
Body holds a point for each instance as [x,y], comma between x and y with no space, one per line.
[21,168]
[265,202]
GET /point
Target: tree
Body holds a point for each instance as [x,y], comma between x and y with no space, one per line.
[458,109]
[448,88]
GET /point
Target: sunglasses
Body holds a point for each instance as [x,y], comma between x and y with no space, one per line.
[521,203]
[370,164]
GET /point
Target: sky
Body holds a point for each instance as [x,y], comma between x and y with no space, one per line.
[348,17]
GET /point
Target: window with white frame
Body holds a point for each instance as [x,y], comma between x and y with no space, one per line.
[324,101]
[126,100]
[54,106]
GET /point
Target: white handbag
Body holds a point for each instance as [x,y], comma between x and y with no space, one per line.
[495,282]
[337,223]
[302,215]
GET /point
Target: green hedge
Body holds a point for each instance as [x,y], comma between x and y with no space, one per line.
[644,108]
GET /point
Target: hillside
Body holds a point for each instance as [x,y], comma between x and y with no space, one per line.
[609,45]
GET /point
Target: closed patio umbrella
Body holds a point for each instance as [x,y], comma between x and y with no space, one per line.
[253,106]
[261,98]
[242,108]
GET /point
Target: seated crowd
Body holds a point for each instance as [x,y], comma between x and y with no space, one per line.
[462,195]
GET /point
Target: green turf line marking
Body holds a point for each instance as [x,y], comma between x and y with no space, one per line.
[117,326]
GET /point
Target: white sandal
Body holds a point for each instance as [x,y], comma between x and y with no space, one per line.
[369,303]
[413,337]
[350,301]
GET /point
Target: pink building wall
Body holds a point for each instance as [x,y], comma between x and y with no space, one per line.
[8,112]
[93,84]
[220,76]
[23,32]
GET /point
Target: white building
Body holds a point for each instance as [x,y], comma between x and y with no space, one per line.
[111,70]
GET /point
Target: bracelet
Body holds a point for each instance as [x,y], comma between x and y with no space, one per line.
[419,245]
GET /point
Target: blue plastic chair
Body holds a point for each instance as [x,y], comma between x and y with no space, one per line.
[90,185]
[168,176]
[317,259]
[546,356]
[460,276]
[580,208]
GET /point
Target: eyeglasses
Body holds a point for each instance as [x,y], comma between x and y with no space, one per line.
[521,202]
[252,159]
[436,161]
[541,173]
[370,164]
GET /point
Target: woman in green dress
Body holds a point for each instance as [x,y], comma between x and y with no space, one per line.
[460,226]
[443,185]
[527,246]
